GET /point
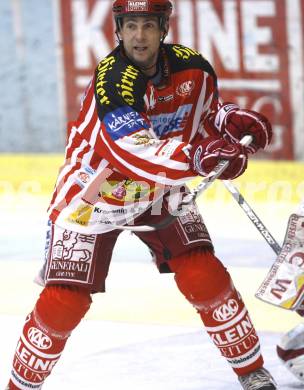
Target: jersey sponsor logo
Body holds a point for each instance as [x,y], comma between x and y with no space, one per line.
[38,338]
[102,69]
[81,216]
[185,88]
[84,176]
[127,190]
[193,227]
[143,139]
[163,99]
[123,121]
[72,253]
[100,210]
[172,122]
[137,6]
[184,52]
[226,311]
[126,86]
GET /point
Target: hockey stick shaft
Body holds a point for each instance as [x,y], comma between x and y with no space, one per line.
[189,198]
[252,216]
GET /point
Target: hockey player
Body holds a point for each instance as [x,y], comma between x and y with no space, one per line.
[150,120]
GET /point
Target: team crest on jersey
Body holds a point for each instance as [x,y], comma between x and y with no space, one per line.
[185,88]
[123,121]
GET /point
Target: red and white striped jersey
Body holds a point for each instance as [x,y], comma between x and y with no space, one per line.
[130,142]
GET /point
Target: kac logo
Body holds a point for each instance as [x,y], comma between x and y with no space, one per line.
[185,88]
[226,311]
[39,339]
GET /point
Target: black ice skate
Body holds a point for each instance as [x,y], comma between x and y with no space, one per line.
[258,380]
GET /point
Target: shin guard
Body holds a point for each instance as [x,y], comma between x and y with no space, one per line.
[228,323]
[206,284]
[58,310]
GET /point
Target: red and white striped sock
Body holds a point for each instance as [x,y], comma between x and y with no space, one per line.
[57,312]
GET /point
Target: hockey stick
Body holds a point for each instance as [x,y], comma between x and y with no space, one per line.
[283,286]
[189,198]
[252,216]
[284,283]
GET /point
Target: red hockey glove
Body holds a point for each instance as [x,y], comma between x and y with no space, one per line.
[233,122]
[207,154]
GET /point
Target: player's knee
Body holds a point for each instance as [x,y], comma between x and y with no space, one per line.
[62,307]
[200,276]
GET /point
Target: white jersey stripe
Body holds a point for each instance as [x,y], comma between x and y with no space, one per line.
[95,132]
[88,116]
[71,180]
[199,108]
[149,154]
[140,172]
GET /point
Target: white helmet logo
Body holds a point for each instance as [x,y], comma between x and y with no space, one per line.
[185,88]
[226,311]
[39,339]
[134,6]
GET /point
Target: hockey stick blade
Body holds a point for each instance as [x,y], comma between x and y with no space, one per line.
[284,283]
[189,198]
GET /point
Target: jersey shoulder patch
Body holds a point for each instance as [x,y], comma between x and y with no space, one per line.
[118,83]
[183,58]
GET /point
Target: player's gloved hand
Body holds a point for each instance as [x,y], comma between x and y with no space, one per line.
[207,154]
[233,123]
